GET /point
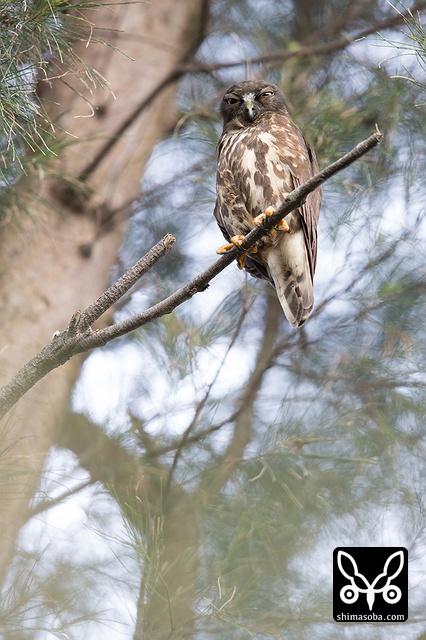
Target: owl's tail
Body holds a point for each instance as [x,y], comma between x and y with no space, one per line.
[289,269]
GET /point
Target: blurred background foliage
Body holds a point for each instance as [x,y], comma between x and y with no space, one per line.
[215,458]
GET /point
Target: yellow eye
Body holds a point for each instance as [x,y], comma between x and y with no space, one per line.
[265,94]
[232,101]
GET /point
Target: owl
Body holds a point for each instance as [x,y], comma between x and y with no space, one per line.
[262,157]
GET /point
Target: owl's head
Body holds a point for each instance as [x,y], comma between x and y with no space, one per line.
[245,102]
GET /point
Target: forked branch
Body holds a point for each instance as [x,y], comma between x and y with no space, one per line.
[79,336]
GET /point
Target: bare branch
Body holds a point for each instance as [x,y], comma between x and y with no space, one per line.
[63,345]
[201,282]
[79,337]
[125,283]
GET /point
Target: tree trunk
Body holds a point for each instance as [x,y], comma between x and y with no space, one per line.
[165,518]
[45,275]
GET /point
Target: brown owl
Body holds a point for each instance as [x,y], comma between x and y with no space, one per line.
[262,157]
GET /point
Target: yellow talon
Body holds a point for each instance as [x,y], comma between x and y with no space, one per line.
[280,226]
[224,248]
[235,241]
[259,220]
[241,260]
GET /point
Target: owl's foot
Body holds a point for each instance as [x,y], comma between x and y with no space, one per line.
[236,241]
[282,225]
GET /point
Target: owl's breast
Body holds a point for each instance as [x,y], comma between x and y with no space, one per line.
[259,171]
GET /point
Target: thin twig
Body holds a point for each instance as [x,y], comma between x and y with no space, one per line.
[44,505]
[201,404]
[79,337]
[281,55]
[243,424]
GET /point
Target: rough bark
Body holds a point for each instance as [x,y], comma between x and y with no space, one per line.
[44,276]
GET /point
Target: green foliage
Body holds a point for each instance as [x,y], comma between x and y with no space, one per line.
[411,44]
[37,46]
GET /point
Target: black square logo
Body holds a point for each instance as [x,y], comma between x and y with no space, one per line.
[370,584]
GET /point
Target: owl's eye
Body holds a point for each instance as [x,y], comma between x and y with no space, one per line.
[265,94]
[232,101]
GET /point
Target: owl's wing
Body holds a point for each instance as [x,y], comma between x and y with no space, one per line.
[220,221]
[296,152]
[310,209]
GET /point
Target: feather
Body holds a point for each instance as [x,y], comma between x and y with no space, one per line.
[288,266]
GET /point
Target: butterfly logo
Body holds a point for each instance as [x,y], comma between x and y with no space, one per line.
[381,584]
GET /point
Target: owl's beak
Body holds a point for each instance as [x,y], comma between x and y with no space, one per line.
[249,110]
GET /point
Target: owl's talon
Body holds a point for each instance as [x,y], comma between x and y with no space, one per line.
[241,260]
[236,241]
[259,220]
[225,248]
[280,226]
